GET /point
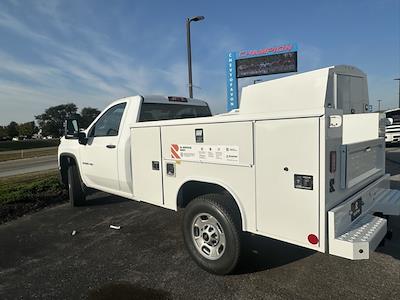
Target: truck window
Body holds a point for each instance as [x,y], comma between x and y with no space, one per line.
[108,124]
[160,111]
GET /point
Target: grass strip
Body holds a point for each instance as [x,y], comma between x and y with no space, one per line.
[27,144]
[27,187]
[28,154]
[26,193]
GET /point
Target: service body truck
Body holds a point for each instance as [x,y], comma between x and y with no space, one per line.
[301,161]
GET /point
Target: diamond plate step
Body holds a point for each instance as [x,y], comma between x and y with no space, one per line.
[363,229]
[362,237]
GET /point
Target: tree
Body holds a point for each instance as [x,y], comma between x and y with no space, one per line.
[88,114]
[27,129]
[3,132]
[52,120]
[12,129]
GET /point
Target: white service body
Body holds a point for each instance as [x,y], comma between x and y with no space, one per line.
[301,158]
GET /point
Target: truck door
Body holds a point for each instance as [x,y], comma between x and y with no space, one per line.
[147,165]
[100,156]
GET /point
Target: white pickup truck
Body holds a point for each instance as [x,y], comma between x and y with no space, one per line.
[301,161]
[392,129]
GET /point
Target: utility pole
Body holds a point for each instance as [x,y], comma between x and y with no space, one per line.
[189,51]
[379,105]
[398,79]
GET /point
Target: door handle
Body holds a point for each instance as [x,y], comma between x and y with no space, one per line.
[110,146]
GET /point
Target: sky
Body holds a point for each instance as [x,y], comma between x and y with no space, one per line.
[95,51]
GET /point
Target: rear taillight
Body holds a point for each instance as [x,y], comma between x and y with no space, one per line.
[332,160]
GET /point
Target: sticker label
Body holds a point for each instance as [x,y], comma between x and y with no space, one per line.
[206,153]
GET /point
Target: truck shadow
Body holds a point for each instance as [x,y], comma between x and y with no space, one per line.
[99,198]
[393,166]
[392,247]
[261,253]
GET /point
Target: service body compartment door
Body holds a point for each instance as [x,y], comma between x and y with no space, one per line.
[360,161]
[147,165]
[287,179]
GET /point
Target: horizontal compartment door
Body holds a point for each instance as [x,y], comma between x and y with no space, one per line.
[360,161]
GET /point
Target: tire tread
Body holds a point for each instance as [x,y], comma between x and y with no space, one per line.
[76,192]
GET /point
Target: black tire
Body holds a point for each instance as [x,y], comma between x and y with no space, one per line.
[75,188]
[228,222]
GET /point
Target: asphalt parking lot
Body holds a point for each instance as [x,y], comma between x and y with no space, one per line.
[146,258]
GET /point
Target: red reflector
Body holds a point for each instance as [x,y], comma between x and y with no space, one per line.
[313,239]
[332,165]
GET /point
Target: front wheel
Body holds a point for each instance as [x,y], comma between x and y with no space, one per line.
[75,189]
[211,230]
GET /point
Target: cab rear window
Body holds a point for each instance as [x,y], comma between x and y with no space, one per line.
[159,111]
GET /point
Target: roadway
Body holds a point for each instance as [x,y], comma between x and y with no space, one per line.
[27,165]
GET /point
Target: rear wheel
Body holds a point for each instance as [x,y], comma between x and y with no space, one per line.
[211,229]
[75,188]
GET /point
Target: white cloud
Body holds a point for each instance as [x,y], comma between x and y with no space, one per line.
[93,72]
[34,73]
[10,22]
[68,73]
[21,102]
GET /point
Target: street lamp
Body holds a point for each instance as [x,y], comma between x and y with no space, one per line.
[379,105]
[398,79]
[189,50]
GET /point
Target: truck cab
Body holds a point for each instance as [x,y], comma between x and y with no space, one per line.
[102,154]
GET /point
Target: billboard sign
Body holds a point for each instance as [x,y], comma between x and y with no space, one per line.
[248,63]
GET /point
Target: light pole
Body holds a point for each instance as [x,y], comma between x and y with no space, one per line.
[379,105]
[189,51]
[398,79]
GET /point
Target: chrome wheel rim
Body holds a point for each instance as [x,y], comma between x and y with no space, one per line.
[208,236]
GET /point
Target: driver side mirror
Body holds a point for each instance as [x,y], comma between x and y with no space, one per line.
[389,121]
[72,131]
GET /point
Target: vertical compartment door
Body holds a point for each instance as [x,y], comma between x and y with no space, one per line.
[147,165]
[287,179]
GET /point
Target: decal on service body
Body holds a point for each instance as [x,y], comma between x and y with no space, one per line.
[206,153]
[175,151]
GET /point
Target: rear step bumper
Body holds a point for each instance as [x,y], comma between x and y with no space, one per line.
[353,229]
[363,236]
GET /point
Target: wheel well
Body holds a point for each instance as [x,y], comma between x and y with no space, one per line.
[192,189]
[65,161]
